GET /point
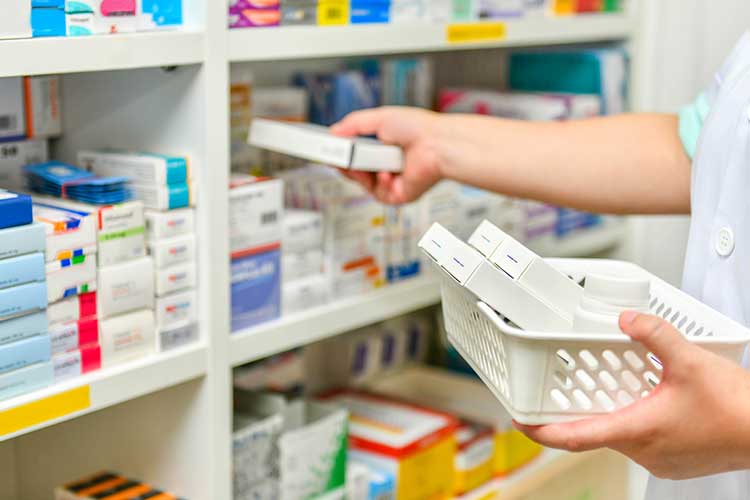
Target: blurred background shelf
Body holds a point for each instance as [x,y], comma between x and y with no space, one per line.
[247,45]
[38,56]
[332,319]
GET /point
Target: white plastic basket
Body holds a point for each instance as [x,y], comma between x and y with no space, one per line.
[544,378]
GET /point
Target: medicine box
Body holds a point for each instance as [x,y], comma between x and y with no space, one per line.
[21,270]
[301,264]
[24,299]
[163,225]
[77,362]
[69,233]
[15,209]
[177,336]
[83,24]
[303,230]
[15,23]
[140,168]
[159,14]
[313,450]
[126,337]
[12,117]
[117,22]
[316,143]
[255,289]
[164,197]
[70,277]
[171,251]
[256,212]
[72,308]
[514,281]
[25,352]
[120,228]
[125,287]
[26,380]
[176,278]
[73,334]
[176,309]
[48,22]
[43,111]
[469,399]
[474,457]
[23,327]
[305,293]
[22,240]
[15,155]
[420,456]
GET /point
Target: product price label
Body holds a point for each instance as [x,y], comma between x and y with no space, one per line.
[44,410]
[475,32]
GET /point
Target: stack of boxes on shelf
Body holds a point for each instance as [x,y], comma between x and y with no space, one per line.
[123,280]
[93,17]
[305,284]
[72,281]
[268,13]
[256,206]
[164,185]
[24,340]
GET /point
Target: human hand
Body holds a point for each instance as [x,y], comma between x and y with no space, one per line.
[415,130]
[696,422]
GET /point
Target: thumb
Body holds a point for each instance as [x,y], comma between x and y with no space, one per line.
[657,335]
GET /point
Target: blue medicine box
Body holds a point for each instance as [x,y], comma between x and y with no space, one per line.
[370,11]
[48,4]
[256,289]
[163,12]
[21,270]
[15,209]
[25,353]
[22,240]
[23,327]
[24,299]
[48,22]
[26,380]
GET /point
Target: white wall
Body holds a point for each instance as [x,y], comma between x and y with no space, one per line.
[690,39]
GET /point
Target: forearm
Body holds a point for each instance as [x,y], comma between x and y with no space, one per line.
[623,164]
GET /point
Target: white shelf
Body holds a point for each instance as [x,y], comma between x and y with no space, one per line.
[269,44]
[584,244]
[529,478]
[332,319]
[106,387]
[35,56]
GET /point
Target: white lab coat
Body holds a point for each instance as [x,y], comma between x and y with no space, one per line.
[717,269]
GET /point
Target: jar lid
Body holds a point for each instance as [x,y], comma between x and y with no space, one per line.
[617,290]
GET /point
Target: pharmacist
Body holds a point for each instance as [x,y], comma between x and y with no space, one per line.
[693,431]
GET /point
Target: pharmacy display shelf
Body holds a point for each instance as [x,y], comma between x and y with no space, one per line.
[35,56]
[586,244]
[100,389]
[526,480]
[304,42]
[332,319]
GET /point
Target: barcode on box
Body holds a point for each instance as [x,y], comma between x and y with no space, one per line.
[269,218]
[8,122]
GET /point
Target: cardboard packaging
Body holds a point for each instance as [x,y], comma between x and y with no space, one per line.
[22,240]
[15,209]
[24,353]
[177,336]
[169,224]
[176,309]
[172,251]
[176,278]
[23,327]
[24,299]
[15,23]
[26,380]
[421,456]
[126,337]
[43,110]
[70,277]
[316,143]
[21,270]
[15,155]
[73,335]
[72,309]
[70,234]
[256,289]
[71,364]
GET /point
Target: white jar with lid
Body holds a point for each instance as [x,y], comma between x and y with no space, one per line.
[605,298]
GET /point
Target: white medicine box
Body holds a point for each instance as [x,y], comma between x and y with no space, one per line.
[15,22]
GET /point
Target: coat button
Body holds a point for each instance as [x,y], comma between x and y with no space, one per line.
[725,242]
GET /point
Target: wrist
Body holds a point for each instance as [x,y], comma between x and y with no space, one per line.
[443,143]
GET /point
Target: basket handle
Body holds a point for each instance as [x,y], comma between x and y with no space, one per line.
[490,313]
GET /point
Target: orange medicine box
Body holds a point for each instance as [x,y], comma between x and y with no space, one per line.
[110,486]
[416,445]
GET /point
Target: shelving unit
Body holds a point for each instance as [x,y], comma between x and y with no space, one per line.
[177,406]
[312,42]
[332,319]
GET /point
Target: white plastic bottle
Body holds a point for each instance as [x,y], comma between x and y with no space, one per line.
[605,298]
